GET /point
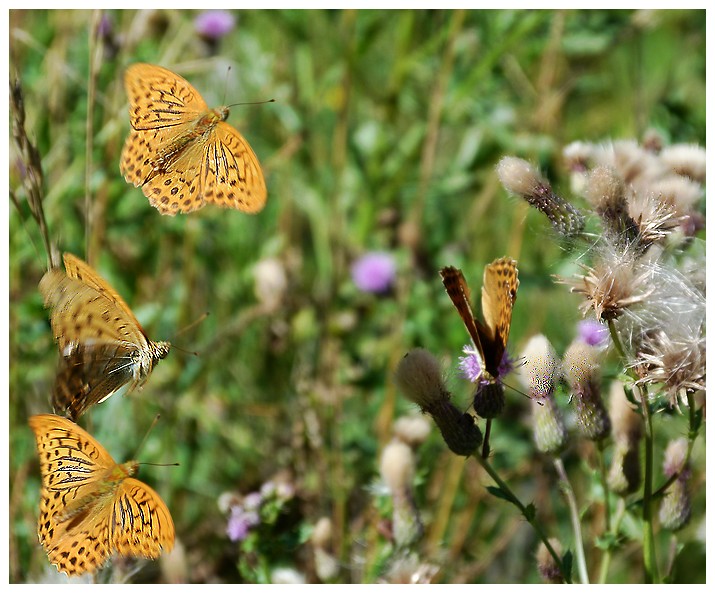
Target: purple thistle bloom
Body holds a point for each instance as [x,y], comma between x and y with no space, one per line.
[471,364]
[592,332]
[240,522]
[374,272]
[214,24]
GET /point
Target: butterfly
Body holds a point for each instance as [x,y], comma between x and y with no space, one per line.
[498,296]
[183,154]
[90,506]
[102,345]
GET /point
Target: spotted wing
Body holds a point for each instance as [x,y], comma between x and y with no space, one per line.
[498,296]
[159,98]
[232,176]
[140,522]
[72,464]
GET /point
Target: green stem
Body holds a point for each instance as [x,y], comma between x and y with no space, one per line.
[600,446]
[485,444]
[530,516]
[606,562]
[649,556]
[566,488]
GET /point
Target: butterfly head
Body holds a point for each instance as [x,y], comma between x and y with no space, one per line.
[221,113]
[162,349]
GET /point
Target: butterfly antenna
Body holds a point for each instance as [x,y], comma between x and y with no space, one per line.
[153,424]
[252,103]
[188,327]
[225,86]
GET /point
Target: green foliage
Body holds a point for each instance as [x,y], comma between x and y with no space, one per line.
[384,136]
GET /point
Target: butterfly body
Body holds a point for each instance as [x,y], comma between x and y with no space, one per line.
[181,153]
[102,345]
[90,506]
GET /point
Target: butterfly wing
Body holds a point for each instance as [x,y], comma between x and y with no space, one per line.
[232,175]
[458,290]
[72,463]
[499,288]
[162,109]
[87,374]
[140,522]
[159,98]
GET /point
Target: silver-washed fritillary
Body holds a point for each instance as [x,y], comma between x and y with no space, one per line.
[102,345]
[90,506]
[183,154]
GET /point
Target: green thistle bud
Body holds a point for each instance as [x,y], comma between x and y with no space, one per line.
[489,400]
[549,431]
[676,508]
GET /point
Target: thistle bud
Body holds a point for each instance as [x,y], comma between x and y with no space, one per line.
[418,377]
[624,477]
[519,177]
[607,193]
[397,467]
[675,509]
[489,400]
[580,367]
[548,569]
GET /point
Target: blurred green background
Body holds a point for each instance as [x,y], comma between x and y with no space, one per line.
[383,137]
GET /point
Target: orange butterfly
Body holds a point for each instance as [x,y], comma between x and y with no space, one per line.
[102,345]
[498,296]
[90,506]
[183,154]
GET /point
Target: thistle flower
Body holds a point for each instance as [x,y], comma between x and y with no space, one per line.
[614,284]
[580,366]
[676,507]
[397,468]
[548,569]
[520,178]
[374,272]
[592,332]
[214,24]
[539,375]
[418,377]
[240,523]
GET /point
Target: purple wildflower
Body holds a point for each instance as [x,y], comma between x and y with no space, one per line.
[240,522]
[592,332]
[471,364]
[214,24]
[374,272]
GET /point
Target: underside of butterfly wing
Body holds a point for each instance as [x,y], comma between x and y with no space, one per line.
[89,373]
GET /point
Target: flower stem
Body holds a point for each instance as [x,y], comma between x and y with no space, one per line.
[649,556]
[566,488]
[529,515]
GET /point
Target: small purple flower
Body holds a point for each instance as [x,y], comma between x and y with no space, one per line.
[470,365]
[252,501]
[592,333]
[214,24]
[374,272]
[240,522]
